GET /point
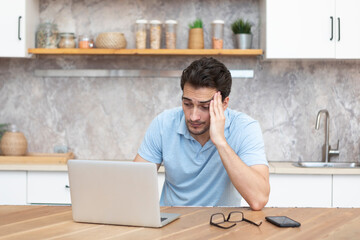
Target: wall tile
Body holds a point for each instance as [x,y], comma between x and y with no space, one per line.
[106,118]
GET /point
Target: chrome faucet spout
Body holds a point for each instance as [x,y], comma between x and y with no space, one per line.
[317,126]
[327,151]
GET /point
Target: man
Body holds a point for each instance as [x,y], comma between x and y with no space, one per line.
[206,148]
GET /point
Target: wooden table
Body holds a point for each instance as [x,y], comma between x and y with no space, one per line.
[55,222]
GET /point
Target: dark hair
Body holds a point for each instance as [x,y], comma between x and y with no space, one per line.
[208,72]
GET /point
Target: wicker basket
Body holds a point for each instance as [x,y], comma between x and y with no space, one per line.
[110,40]
[13,144]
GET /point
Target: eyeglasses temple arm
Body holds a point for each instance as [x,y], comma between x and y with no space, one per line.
[246,220]
[217,225]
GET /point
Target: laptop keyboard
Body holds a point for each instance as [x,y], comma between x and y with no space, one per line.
[162,219]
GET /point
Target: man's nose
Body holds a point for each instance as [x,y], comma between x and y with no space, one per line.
[195,115]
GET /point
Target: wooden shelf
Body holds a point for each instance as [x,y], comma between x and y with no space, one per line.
[38,158]
[143,52]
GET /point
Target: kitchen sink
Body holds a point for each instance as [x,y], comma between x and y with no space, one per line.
[327,165]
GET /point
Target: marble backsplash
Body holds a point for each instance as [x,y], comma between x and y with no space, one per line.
[106,118]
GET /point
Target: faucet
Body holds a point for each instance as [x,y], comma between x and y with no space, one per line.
[327,151]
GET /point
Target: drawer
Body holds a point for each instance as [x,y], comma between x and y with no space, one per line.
[296,190]
[12,188]
[48,188]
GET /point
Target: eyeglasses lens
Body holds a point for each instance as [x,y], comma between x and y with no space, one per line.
[218,218]
[235,217]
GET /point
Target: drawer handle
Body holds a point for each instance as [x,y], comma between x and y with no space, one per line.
[67,186]
[339,29]
[332,30]
[19,37]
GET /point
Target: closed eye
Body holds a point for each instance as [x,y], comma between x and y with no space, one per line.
[187,104]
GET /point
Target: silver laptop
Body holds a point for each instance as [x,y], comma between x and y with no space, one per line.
[116,192]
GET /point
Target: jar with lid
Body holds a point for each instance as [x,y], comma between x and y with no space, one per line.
[47,36]
[170,34]
[217,34]
[86,41]
[141,26]
[155,34]
[67,40]
[13,142]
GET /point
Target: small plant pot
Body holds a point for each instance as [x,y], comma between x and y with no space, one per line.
[196,38]
[243,41]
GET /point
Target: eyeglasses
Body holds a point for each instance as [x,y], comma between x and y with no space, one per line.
[218,220]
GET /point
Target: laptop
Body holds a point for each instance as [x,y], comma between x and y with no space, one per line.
[116,192]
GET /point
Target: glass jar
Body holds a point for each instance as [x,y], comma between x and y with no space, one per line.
[155,34]
[217,34]
[141,26]
[170,34]
[47,36]
[67,40]
[86,41]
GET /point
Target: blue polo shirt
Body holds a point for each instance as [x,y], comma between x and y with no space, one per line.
[194,174]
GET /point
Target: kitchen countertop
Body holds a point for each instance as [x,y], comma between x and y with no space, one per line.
[289,168]
[274,168]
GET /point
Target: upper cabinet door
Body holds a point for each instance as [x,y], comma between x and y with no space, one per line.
[298,28]
[18,20]
[348,29]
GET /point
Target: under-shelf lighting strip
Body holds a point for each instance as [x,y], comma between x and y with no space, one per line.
[126,73]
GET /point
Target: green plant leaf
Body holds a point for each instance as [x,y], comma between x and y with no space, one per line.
[241,26]
[196,24]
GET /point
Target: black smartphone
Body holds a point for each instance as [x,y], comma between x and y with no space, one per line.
[282,221]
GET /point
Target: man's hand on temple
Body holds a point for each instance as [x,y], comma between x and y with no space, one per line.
[217,120]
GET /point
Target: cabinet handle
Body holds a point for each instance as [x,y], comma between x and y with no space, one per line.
[67,186]
[339,29]
[332,28]
[19,28]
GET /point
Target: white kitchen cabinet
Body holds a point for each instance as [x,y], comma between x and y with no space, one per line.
[346,191]
[294,190]
[18,22]
[348,38]
[13,187]
[48,188]
[298,190]
[310,29]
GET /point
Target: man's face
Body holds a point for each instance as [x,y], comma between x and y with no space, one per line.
[195,104]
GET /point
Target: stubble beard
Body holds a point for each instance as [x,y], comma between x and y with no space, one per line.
[199,131]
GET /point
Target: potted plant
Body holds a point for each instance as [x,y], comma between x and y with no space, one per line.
[196,35]
[242,31]
[3,128]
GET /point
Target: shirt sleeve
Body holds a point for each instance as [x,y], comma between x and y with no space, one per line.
[252,149]
[151,146]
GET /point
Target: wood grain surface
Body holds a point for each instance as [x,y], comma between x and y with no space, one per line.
[55,222]
[102,51]
[38,158]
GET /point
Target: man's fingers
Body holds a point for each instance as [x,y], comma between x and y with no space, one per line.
[211,110]
[218,104]
[215,100]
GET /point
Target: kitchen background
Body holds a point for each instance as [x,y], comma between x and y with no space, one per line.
[106,118]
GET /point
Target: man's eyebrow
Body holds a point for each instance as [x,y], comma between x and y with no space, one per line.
[202,102]
[207,101]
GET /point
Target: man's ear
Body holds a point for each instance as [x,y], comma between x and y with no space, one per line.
[225,103]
